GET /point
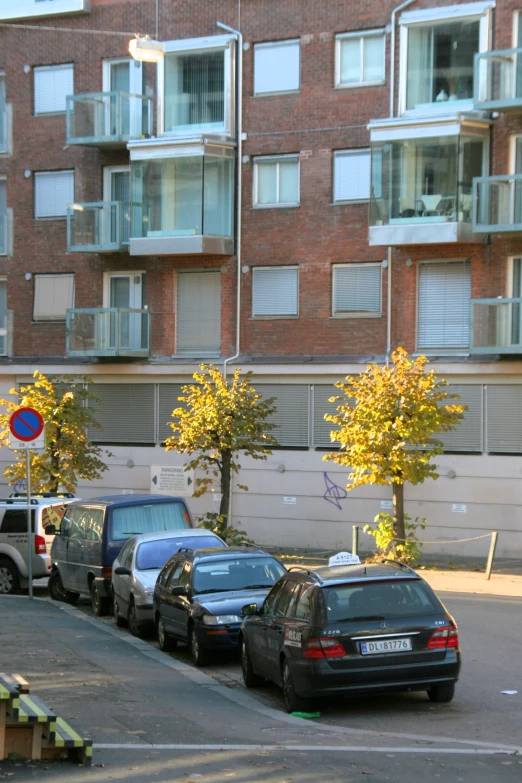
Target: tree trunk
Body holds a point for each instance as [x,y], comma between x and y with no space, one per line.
[54,467]
[398,513]
[226,459]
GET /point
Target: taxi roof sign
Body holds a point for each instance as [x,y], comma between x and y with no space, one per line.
[343,559]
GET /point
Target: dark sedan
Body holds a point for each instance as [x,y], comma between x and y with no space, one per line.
[199,595]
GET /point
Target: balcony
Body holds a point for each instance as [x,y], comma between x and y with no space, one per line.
[109,331]
[108,119]
[98,227]
[422,177]
[498,81]
[182,197]
[497,204]
[496,326]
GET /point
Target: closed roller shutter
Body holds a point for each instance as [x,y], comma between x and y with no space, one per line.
[53,193]
[292,414]
[352,175]
[125,411]
[322,406]
[275,291]
[52,85]
[198,321]
[467,437]
[167,402]
[356,288]
[443,305]
[504,419]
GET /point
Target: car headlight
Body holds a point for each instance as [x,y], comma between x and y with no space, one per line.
[220,619]
[148,591]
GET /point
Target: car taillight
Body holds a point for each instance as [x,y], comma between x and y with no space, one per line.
[323,648]
[107,572]
[443,638]
[39,545]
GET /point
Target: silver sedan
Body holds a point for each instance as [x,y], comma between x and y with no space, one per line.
[135,570]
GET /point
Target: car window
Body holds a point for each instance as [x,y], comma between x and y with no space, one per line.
[154,554]
[242,573]
[76,517]
[122,557]
[15,521]
[175,573]
[53,515]
[271,599]
[184,579]
[127,521]
[388,600]
[129,554]
[93,523]
[290,588]
[303,609]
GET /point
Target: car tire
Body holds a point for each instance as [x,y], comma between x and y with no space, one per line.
[9,577]
[200,656]
[57,590]
[250,678]
[293,702]
[443,693]
[135,627]
[100,605]
[166,642]
[118,619]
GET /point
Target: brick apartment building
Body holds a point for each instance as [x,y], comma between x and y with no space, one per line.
[378,152]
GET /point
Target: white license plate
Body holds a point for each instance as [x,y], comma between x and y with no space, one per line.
[386,646]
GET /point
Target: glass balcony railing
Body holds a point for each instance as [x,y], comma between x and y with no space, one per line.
[108,118]
[4,237]
[3,130]
[498,80]
[98,227]
[497,204]
[109,331]
[496,326]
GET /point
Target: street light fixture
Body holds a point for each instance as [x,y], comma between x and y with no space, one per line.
[147,51]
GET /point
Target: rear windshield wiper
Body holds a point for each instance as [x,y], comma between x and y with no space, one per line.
[361,617]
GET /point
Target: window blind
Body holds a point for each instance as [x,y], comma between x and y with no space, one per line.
[52,85]
[292,412]
[54,191]
[443,305]
[468,434]
[276,67]
[322,428]
[352,175]
[53,295]
[504,419]
[275,291]
[198,321]
[356,288]
[126,412]
[167,402]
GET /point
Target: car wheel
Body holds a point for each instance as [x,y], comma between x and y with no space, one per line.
[442,693]
[293,702]
[135,627]
[165,640]
[250,678]
[58,592]
[118,619]
[199,654]
[100,605]
[9,578]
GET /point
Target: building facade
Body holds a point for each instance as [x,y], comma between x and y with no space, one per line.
[354,171]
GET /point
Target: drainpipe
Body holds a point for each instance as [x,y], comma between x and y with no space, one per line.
[239,126]
[394,13]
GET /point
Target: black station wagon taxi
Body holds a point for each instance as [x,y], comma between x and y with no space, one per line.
[350,629]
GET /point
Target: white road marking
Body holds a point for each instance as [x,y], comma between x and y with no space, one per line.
[315,748]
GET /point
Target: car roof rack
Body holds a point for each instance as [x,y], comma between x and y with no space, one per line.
[399,564]
[311,573]
[43,495]
[19,501]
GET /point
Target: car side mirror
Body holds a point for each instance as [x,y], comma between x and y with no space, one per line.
[179,590]
[122,571]
[50,530]
[249,610]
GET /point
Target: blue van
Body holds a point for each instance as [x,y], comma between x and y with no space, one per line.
[91,535]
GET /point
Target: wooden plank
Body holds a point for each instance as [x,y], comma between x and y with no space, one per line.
[36,750]
[16,681]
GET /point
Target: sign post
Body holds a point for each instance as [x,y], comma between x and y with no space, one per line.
[27,430]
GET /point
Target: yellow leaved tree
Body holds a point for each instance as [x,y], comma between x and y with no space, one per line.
[386,423]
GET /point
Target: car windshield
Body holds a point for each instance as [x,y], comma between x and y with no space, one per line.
[237,574]
[154,554]
[127,521]
[379,601]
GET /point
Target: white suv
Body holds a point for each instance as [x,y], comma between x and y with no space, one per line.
[46,509]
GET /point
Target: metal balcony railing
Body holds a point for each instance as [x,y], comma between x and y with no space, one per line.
[497,204]
[109,331]
[98,227]
[108,118]
[496,326]
[498,80]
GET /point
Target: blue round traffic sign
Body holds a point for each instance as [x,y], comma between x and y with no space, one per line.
[26,424]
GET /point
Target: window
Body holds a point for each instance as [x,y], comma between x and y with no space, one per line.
[54,192]
[359,58]
[15,521]
[303,608]
[443,306]
[352,175]
[289,590]
[291,417]
[198,318]
[126,413]
[3,316]
[276,67]
[467,436]
[356,289]
[271,599]
[438,46]
[504,419]
[3,217]
[3,115]
[53,295]
[52,85]
[276,181]
[275,291]
[127,521]
[175,573]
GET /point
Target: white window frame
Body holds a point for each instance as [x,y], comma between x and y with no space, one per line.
[107,177]
[274,44]
[347,153]
[480,11]
[357,313]
[225,43]
[125,273]
[136,73]
[361,34]
[58,67]
[53,319]
[441,351]
[262,159]
[516,19]
[264,269]
[52,171]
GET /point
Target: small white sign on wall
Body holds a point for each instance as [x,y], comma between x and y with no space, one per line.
[289,501]
[459,508]
[171,480]
[386,504]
